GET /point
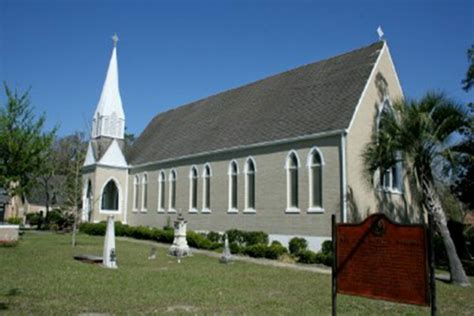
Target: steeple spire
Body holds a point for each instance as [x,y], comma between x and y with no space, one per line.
[109,118]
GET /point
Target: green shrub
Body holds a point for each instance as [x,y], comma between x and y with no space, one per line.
[307,256]
[275,251]
[14,220]
[142,232]
[276,242]
[59,219]
[236,236]
[256,251]
[33,218]
[244,238]
[167,236]
[199,241]
[94,229]
[120,229]
[254,238]
[328,259]
[214,236]
[326,247]
[236,248]
[297,245]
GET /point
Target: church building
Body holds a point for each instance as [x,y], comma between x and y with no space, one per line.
[279,155]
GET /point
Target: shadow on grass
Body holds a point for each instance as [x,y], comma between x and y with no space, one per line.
[13,292]
[10,293]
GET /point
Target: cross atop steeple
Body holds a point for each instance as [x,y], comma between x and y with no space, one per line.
[115,39]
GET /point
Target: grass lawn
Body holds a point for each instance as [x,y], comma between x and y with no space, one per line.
[39,276]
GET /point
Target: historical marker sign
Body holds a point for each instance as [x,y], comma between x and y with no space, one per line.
[383,260]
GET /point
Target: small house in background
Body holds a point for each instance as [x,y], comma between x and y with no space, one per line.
[34,201]
[10,207]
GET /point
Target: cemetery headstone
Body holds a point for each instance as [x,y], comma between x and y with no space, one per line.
[152,255]
[180,247]
[226,254]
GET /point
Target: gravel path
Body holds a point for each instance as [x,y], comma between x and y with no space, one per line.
[267,262]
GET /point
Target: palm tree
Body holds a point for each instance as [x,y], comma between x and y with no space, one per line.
[424,133]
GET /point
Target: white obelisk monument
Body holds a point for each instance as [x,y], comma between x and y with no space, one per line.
[109,257]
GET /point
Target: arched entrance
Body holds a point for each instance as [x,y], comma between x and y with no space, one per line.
[110,197]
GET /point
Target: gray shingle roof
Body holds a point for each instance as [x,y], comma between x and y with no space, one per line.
[307,100]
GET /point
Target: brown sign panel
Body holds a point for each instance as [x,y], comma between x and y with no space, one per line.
[383,260]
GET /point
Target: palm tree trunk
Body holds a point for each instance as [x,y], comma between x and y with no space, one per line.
[433,204]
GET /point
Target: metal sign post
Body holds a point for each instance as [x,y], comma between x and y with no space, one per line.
[334,265]
[432,265]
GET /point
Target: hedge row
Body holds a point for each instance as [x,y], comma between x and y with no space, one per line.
[211,241]
[299,247]
[259,250]
[252,244]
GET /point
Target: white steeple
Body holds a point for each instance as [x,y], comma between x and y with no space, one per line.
[109,118]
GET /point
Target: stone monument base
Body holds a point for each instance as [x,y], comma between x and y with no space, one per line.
[9,234]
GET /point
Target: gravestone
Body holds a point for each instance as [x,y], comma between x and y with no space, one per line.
[109,258]
[9,234]
[152,255]
[226,254]
[180,247]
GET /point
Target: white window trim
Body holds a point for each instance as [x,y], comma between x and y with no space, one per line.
[173,175]
[191,209]
[205,210]
[161,188]
[136,182]
[144,209]
[230,209]
[309,160]
[291,209]
[119,189]
[247,209]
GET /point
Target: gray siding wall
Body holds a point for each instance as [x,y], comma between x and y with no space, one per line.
[271,191]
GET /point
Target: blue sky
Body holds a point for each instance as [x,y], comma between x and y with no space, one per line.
[174,52]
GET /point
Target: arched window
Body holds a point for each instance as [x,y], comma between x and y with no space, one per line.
[161,192]
[315,167]
[136,192]
[292,165]
[172,203]
[110,197]
[206,178]
[250,170]
[193,189]
[144,192]
[233,173]
[391,178]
